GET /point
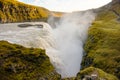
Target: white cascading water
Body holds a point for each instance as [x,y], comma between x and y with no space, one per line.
[63,44]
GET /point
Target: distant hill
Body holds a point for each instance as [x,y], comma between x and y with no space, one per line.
[57,14]
[14,11]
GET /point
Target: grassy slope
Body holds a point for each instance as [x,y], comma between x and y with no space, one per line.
[103,43]
[20,63]
[14,11]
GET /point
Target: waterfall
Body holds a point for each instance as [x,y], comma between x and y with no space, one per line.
[63,43]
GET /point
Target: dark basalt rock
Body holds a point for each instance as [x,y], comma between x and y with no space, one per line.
[24,25]
[29,25]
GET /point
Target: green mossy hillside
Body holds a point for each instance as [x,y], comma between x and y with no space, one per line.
[20,63]
[92,73]
[14,11]
[103,43]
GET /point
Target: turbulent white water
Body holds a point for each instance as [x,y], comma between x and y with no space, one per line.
[63,44]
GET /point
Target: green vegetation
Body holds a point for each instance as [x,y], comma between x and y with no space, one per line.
[20,63]
[103,43]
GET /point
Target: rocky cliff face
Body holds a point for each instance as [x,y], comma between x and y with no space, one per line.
[14,11]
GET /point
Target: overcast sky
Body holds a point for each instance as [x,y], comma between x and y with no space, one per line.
[68,5]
